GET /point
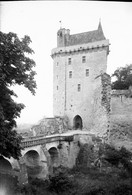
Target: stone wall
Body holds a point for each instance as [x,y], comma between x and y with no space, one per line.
[49,126]
[81,102]
[67,100]
[121,119]
[101,106]
[83,150]
[68,153]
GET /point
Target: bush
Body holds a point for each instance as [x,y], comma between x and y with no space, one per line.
[98,191]
[114,156]
[61,182]
[34,187]
[122,189]
[123,174]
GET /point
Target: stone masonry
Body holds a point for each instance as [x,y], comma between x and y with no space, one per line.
[101,106]
[78,62]
[49,126]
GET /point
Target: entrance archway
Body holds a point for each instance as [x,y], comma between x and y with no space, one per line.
[77,122]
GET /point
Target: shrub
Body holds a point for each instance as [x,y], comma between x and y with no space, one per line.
[123,174]
[61,182]
[34,187]
[98,191]
[114,156]
[122,189]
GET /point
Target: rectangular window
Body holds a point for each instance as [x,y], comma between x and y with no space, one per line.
[70,74]
[69,61]
[83,59]
[57,87]
[87,72]
[57,63]
[79,87]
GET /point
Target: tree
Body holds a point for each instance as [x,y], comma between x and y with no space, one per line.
[123,77]
[16,67]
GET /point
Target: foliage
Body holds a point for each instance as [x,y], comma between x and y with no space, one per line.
[79,181]
[90,181]
[122,190]
[116,157]
[34,187]
[123,77]
[15,68]
[60,182]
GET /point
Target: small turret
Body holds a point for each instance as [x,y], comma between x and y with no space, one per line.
[100,30]
[62,37]
[100,26]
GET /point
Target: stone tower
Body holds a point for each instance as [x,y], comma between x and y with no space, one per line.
[79,62]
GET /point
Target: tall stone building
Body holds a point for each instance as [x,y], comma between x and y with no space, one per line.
[79,66]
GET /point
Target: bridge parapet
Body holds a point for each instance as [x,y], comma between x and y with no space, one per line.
[43,140]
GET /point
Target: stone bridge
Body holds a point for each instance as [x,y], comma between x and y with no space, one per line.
[41,154]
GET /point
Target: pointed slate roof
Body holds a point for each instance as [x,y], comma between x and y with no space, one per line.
[86,37]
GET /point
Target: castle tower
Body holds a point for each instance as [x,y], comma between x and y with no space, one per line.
[78,60]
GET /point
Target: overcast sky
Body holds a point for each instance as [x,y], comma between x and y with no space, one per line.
[40,20]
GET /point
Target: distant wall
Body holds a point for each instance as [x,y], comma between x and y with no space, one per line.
[121,118]
[49,126]
[121,104]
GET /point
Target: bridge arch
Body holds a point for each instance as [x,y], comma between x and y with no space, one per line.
[32,162]
[35,148]
[54,156]
[77,122]
[5,165]
[32,158]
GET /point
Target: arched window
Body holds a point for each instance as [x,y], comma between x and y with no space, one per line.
[79,87]
[70,74]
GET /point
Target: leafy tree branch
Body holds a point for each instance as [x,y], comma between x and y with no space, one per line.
[16,67]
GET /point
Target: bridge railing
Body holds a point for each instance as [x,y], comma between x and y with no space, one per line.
[43,140]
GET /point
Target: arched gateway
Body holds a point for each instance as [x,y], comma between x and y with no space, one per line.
[77,122]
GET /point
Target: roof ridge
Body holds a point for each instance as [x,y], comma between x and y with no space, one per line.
[84,32]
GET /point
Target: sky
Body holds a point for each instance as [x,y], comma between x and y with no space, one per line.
[40,20]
